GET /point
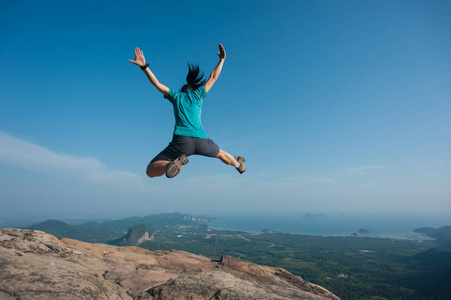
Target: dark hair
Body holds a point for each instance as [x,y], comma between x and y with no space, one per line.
[193,79]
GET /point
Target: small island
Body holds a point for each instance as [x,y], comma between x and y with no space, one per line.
[363,231]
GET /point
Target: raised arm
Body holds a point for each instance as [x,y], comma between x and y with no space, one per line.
[217,70]
[141,62]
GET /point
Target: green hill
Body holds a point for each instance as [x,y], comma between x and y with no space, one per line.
[55,227]
[431,273]
[442,235]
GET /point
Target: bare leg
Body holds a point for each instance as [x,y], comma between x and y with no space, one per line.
[157,168]
[226,158]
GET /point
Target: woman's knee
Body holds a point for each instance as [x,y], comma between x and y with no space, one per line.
[149,171]
[152,170]
[225,157]
[220,154]
[157,168]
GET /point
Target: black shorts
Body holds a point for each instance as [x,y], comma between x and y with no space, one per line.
[189,146]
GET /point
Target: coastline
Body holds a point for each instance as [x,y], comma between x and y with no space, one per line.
[329,226]
[412,236]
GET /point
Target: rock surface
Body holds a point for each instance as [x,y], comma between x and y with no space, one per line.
[37,265]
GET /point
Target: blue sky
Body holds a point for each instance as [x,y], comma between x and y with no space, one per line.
[337,106]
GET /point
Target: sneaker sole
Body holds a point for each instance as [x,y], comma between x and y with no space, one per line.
[242,164]
[175,166]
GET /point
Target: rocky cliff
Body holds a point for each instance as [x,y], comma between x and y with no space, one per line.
[37,265]
[135,236]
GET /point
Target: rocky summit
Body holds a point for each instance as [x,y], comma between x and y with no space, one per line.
[37,265]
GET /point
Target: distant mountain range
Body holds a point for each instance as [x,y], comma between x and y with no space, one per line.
[113,232]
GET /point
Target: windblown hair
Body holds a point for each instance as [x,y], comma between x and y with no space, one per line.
[194,79]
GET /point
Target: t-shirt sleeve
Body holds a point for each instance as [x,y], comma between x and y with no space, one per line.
[201,92]
[171,95]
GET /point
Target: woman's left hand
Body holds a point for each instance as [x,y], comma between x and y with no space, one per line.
[139,58]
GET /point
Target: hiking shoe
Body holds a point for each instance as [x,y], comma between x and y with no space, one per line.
[176,165]
[241,168]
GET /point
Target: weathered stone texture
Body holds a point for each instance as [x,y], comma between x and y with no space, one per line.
[37,265]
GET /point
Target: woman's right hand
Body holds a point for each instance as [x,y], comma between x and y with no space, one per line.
[221,53]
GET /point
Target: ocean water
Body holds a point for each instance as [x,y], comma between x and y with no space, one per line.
[331,225]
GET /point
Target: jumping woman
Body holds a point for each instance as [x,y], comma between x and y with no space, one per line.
[189,137]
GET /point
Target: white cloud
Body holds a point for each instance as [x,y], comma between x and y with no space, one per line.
[23,154]
[316,180]
[360,170]
[297,182]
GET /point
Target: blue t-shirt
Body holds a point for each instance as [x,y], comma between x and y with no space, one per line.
[187,112]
